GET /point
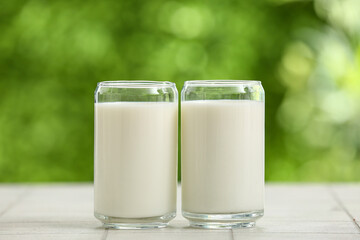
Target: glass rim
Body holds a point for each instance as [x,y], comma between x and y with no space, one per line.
[136,84]
[221,82]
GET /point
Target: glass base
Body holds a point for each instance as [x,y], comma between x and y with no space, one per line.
[135,223]
[223,221]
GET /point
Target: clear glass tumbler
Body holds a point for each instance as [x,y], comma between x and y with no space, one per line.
[222,152]
[135,158]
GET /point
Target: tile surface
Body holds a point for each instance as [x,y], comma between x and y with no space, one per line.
[348,195]
[292,211]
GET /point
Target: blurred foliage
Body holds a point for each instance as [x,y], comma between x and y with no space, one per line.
[307,54]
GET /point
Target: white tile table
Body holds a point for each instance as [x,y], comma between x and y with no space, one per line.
[292,211]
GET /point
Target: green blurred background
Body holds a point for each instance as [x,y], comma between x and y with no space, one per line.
[306,53]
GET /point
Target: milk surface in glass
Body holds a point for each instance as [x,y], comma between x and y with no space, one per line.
[135,162]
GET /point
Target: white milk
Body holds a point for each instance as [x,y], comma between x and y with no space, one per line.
[222,156]
[135,159]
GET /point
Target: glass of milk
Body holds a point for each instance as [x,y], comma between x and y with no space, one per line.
[135,157]
[222,153]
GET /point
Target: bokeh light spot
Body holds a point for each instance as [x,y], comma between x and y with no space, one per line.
[296,65]
[338,106]
[187,22]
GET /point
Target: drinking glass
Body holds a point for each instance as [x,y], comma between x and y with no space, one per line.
[222,153]
[135,157]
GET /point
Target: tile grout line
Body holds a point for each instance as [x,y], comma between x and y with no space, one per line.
[104,235]
[232,234]
[342,206]
[15,202]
